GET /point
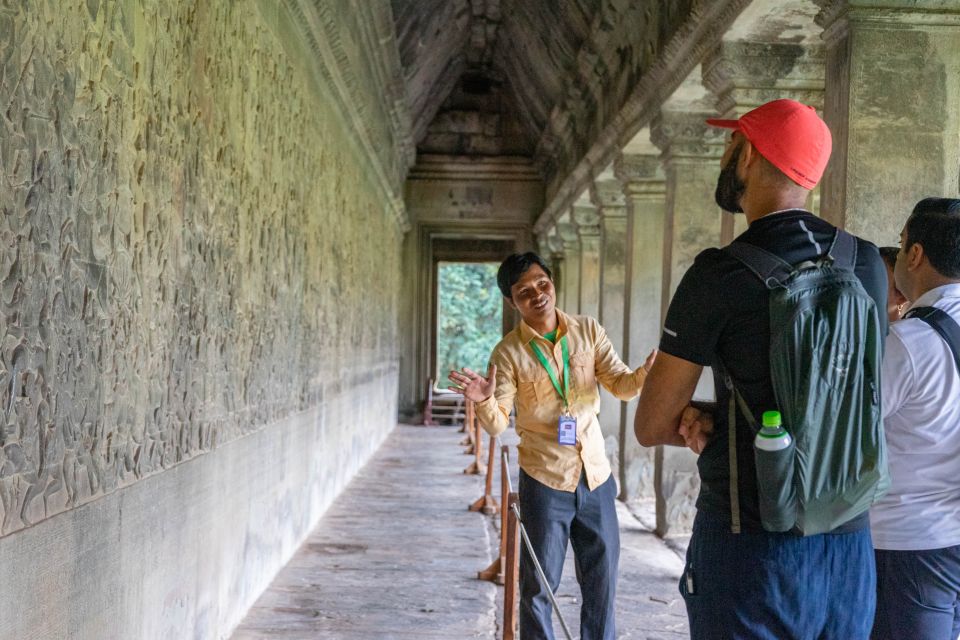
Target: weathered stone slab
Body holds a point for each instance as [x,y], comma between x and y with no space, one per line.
[395,557]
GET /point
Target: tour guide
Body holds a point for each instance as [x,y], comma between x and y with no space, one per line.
[549,366]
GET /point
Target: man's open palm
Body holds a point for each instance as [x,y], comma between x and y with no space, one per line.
[472,385]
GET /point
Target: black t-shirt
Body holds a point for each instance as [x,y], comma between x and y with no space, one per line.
[720,314]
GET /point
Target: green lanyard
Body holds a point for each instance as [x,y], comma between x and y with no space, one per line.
[565,390]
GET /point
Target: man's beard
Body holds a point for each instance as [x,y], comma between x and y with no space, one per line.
[730,188]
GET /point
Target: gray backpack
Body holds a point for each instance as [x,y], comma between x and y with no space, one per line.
[825,353]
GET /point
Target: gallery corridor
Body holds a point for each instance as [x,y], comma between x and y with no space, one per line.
[396,556]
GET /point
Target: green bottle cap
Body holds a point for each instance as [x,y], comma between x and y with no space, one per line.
[771,418]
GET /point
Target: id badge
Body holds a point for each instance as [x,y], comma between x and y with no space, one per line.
[567,430]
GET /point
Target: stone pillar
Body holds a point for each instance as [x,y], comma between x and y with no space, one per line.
[557,260]
[691,159]
[642,180]
[571,266]
[744,75]
[587,220]
[893,105]
[607,196]
[691,154]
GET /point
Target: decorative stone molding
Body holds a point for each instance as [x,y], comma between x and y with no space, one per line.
[608,197]
[641,176]
[555,243]
[649,77]
[834,14]
[587,219]
[687,136]
[744,75]
[383,127]
[569,238]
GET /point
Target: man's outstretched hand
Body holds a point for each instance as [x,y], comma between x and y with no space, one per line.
[472,385]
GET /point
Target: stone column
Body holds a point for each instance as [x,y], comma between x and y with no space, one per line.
[893,105]
[607,196]
[557,260]
[571,266]
[691,153]
[642,180]
[587,220]
[691,159]
[744,75]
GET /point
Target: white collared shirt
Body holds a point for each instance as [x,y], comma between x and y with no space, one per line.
[921,414]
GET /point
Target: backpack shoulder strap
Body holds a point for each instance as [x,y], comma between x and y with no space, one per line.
[941,322]
[771,269]
[735,399]
[843,250]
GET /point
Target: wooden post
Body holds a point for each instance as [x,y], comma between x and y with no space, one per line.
[463,427]
[495,571]
[486,502]
[511,586]
[468,418]
[476,467]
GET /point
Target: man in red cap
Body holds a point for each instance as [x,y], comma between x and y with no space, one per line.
[741,580]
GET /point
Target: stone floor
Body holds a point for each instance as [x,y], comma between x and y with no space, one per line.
[396,556]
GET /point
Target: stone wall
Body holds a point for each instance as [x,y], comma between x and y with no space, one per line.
[198,268]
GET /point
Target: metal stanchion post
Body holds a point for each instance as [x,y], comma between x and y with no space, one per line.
[536,565]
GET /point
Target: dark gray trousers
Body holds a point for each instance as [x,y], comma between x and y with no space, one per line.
[588,519]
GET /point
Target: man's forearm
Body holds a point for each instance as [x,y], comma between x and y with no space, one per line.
[705,406]
[491,416]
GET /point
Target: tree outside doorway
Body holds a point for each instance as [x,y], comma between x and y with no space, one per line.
[470,316]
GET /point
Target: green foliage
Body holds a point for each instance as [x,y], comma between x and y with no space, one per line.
[470,316]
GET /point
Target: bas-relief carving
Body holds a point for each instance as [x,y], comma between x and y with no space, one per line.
[169,279]
[353,54]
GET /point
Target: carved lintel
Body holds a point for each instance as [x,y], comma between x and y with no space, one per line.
[836,16]
[744,75]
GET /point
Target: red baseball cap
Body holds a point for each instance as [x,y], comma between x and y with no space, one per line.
[790,135]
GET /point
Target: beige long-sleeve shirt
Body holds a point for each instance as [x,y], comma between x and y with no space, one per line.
[522,380]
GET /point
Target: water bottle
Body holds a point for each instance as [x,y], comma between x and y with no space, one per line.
[774,453]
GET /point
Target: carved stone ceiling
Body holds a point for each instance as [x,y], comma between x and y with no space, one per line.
[506,60]
[568,83]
